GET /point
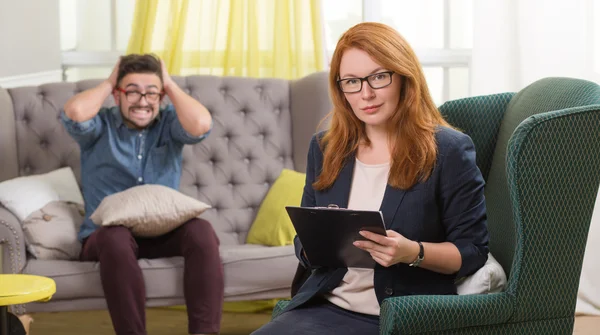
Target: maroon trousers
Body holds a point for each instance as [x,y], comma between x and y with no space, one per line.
[118,250]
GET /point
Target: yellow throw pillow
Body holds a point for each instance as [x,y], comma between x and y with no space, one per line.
[272,225]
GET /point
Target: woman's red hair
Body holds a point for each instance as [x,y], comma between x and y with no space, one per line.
[411,128]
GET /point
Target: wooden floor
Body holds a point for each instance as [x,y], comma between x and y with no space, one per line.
[173,322]
[586,325]
[159,322]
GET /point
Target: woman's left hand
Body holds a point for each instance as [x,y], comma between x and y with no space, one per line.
[389,250]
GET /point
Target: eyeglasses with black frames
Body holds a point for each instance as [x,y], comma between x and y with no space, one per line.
[376,81]
[135,96]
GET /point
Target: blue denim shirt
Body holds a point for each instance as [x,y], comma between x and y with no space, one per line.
[115,157]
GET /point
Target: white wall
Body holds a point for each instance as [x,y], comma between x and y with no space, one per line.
[518,42]
[29,42]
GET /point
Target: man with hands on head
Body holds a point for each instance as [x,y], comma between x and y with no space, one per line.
[135,143]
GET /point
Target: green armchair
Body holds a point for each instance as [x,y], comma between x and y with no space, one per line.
[539,151]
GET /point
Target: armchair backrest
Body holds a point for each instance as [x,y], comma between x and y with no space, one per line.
[480,118]
[541,186]
[550,169]
[546,95]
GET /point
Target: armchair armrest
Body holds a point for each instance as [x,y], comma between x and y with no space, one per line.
[443,313]
[12,242]
[279,307]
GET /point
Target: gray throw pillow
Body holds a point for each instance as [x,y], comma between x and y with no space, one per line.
[51,232]
[148,210]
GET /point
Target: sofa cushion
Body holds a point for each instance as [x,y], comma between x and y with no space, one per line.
[51,232]
[245,268]
[272,225]
[251,142]
[25,195]
[147,210]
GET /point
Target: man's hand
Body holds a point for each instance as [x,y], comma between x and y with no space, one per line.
[85,105]
[167,80]
[112,79]
[193,116]
[389,250]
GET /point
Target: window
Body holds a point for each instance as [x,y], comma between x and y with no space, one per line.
[95,33]
[440,31]
[338,16]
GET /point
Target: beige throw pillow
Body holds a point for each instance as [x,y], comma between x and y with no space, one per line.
[490,278]
[51,232]
[148,210]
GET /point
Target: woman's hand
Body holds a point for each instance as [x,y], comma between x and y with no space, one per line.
[389,250]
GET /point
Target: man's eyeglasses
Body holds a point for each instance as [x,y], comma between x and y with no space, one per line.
[376,80]
[135,96]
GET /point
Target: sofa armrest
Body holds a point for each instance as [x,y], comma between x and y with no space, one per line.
[421,314]
[12,242]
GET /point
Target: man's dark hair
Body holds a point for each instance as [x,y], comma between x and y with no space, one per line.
[135,63]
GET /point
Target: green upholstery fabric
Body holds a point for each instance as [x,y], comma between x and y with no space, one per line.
[480,118]
[400,315]
[549,94]
[541,188]
[552,326]
[487,324]
[553,175]
[279,308]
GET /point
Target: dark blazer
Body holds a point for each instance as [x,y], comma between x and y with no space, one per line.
[449,206]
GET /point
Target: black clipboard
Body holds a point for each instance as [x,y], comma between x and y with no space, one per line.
[327,234]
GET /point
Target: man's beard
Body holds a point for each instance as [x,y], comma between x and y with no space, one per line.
[132,123]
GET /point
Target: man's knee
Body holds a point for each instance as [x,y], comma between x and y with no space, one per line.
[115,242]
[199,233]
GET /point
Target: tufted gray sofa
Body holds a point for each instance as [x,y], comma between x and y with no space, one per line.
[260,127]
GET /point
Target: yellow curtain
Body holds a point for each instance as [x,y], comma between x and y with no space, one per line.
[255,38]
[143,21]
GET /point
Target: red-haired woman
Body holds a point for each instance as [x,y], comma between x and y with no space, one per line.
[388,149]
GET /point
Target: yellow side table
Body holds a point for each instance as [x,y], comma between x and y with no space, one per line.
[21,289]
